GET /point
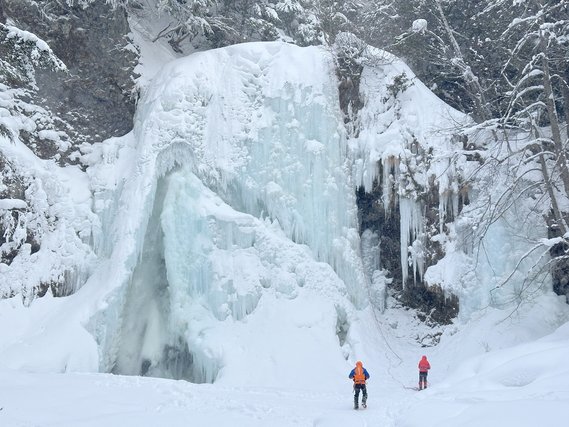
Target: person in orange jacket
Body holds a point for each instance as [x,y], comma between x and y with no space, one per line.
[424,367]
[360,376]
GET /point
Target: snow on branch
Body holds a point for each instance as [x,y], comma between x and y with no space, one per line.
[28,49]
[9,204]
[419,26]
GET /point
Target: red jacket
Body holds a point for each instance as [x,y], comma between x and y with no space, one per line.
[424,364]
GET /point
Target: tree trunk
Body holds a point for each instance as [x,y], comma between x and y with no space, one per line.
[552,115]
[549,187]
[565,92]
[480,109]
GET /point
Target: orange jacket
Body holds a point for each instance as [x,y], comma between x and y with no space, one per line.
[424,364]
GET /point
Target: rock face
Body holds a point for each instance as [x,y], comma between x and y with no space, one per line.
[430,301]
[95,99]
[56,110]
[384,220]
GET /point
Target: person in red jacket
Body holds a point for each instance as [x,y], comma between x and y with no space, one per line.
[424,367]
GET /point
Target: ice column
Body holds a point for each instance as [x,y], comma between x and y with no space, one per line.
[412,234]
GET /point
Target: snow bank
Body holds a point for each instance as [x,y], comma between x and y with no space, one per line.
[524,385]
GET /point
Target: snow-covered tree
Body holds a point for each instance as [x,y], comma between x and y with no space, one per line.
[215,23]
[449,45]
[190,19]
[531,122]
[21,53]
[27,212]
[442,49]
[337,16]
[536,72]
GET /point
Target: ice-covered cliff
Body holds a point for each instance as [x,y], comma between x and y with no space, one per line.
[221,237]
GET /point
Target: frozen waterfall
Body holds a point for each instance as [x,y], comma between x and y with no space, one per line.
[240,194]
[225,227]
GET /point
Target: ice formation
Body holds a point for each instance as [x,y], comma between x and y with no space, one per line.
[403,145]
[226,226]
[238,190]
[406,143]
[228,145]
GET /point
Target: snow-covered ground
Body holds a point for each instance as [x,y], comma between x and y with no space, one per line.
[523,385]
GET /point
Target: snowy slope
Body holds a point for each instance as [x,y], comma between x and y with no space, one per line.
[524,385]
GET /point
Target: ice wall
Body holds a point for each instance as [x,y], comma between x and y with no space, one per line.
[264,131]
[239,184]
[234,202]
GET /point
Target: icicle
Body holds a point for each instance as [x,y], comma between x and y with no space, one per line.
[386,183]
[442,211]
[412,229]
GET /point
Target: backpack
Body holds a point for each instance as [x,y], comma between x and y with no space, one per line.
[359,375]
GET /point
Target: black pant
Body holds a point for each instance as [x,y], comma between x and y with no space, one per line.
[423,380]
[357,388]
